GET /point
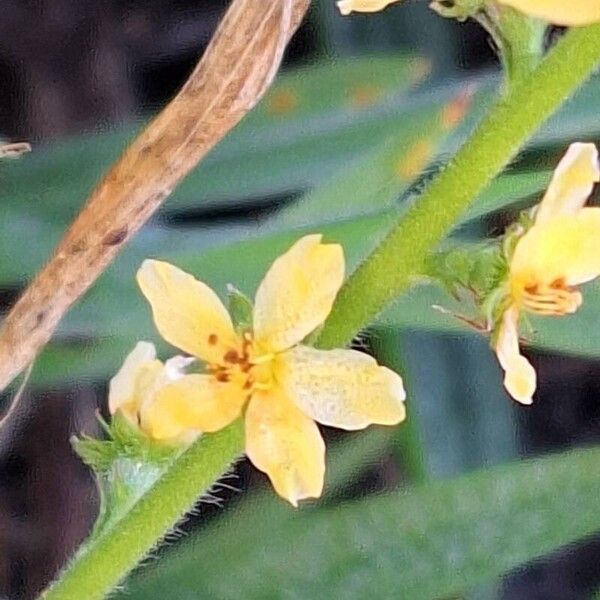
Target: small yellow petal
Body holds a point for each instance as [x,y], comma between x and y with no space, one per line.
[341,388]
[286,445]
[123,392]
[297,293]
[187,313]
[194,402]
[559,12]
[520,377]
[348,6]
[572,183]
[566,249]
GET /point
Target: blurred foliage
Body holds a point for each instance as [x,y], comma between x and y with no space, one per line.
[327,151]
[435,541]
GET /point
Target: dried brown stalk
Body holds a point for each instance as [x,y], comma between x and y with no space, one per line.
[232,76]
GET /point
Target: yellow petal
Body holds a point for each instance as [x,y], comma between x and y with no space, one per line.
[297,293]
[286,445]
[566,249]
[193,403]
[520,377]
[341,388]
[187,313]
[559,12]
[348,6]
[123,392]
[572,183]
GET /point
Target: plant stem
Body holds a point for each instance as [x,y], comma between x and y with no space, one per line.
[100,565]
[399,259]
[106,560]
[520,40]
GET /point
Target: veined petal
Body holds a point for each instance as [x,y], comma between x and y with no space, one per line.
[187,313]
[559,12]
[566,249]
[348,6]
[520,377]
[194,402]
[297,293]
[286,445]
[572,183]
[123,393]
[341,388]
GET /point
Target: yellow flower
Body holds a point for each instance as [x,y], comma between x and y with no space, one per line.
[348,6]
[559,12]
[134,390]
[280,385]
[558,253]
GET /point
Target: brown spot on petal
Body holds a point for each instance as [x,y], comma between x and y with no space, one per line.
[213,338]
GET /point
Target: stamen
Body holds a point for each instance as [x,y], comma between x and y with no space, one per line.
[231,356]
[553,300]
[222,376]
[259,360]
[262,386]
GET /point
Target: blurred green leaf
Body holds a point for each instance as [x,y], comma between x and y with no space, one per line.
[268,153]
[435,541]
[376,180]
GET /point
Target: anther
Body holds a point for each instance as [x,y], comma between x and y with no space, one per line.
[222,376]
[258,360]
[231,356]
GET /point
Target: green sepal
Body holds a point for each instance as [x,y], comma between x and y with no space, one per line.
[479,269]
[482,271]
[516,231]
[240,309]
[460,10]
[126,464]
[311,338]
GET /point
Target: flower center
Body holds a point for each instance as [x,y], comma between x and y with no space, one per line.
[555,299]
[246,366]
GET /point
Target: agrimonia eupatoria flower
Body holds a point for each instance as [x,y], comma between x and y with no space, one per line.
[348,6]
[262,372]
[560,251]
[535,268]
[558,12]
[138,385]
